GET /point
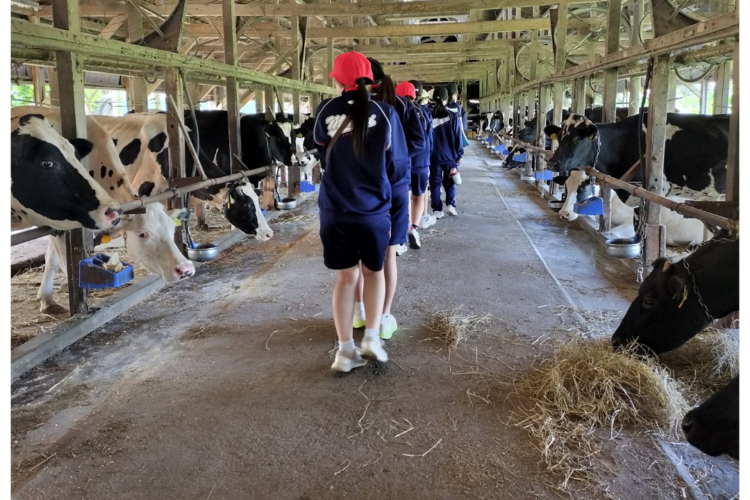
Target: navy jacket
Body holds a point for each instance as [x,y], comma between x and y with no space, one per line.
[359,187]
[456,108]
[414,138]
[422,160]
[447,145]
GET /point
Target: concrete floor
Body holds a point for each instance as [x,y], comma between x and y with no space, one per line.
[219,387]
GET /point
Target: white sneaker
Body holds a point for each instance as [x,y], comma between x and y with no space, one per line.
[438,214]
[451,210]
[401,249]
[372,348]
[359,318]
[388,325]
[427,221]
[348,362]
[414,240]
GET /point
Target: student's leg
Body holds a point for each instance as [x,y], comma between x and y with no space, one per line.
[436,180]
[390,273]
[343,300]
[450,187]
[359,306]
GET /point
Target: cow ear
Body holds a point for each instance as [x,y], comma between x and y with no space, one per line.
[589,131]
[82,147]
[552,131]
[677,287]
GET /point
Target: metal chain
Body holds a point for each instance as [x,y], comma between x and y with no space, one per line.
[697,293]
[641,238]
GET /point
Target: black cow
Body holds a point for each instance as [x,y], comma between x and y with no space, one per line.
[667,312]
[714,426]
[695,158]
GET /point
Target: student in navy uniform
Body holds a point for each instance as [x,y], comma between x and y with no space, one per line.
[385,91]
[355,200]
[423,101]
[454,106]
[420,168]
[447,151]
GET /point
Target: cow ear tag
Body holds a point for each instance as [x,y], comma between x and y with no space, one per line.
[177,221]
[684,296]
[300,136]
[593,136]
[106,238]
[553,137]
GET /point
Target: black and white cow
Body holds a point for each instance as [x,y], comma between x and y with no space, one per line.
[150,236]
[667,312]
[142,143]
[49,184]
[714,426]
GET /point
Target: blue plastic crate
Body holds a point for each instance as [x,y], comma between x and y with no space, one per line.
[592,206]
[264,212]
[306,187]
[521,157]
[544,175]
[92,275]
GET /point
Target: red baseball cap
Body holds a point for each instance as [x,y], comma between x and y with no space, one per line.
[350,67]
[406,89]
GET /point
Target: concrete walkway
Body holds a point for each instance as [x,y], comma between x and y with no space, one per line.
[219,387]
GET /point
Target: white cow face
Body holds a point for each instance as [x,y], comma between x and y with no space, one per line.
[242,210]
[149,239]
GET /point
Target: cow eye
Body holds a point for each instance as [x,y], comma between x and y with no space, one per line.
[143,235]
[649,303]
[48,164]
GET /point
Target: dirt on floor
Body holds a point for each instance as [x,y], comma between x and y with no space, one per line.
[219,387]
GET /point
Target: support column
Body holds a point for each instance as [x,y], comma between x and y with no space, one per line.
[560,35]
[733,158]
[611,45]
[578,105]
[533,48]
[173,88]
[721,92]
[230,57]
[672,95]
[329,52]
[655,241]
[295,178]
[634,86]
[78,242]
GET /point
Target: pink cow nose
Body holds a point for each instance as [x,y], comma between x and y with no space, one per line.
[184,270]
[264,234]
[113,215]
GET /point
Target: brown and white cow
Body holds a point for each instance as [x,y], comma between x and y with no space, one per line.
[149,236]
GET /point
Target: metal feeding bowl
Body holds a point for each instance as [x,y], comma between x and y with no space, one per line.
[203,252]
[555,205]
[287,204]
[623,248]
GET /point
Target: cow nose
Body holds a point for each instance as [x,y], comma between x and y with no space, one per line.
[184,270]
[112,213]
[687,424]
[264,234]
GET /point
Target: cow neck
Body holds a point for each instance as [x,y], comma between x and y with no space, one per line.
[707,279]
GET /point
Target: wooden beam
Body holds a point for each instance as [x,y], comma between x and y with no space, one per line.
[721,90]
[113,25]
[654,244]
[394,9]
[175,114]
[634,85]
[733,158]
[612,46]
[246,97]
[515,25]
[229,19]
[560,34]
[45,37]
[78,242]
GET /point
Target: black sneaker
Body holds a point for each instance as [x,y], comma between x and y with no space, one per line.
[414,240]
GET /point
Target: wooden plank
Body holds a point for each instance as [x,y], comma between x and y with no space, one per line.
[634,87]
[175,114]
[49,38]
[533,48]
[733,157]
[654,245]
[297,42]
[114,25]
[515,25]
[329,58]
[135,25]
[229,19]
[578,105]
[721,90]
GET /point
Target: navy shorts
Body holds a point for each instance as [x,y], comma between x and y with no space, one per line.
[399,219]
[419,179]
[346,241]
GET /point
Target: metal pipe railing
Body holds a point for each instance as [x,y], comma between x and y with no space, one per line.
[680,208]
[39,232]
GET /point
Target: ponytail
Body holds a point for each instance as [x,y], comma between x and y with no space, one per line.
[386,91]
[360,118]
[440,111]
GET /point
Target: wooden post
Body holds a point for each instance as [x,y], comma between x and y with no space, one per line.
[293,186]
[314,103]
[634,87]
[173,87]
[560,35]
[533,48]
[329,52]
[655,241]
[270,98]
[611,45]
[733,158]
[78,242]
[541,115]
[672,95]
[578,105]
[230,57]
[515,115]
[260,101]
[721,91]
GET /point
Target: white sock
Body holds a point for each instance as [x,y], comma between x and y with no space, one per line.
[346,347]
[372,333]
[360,306]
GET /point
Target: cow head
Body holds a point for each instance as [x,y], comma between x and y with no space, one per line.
[714,426]
[666,313]
[578,144]
[242,210]
[279,141]
[50,186]
[528,133]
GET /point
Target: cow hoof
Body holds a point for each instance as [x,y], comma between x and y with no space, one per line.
[53,310]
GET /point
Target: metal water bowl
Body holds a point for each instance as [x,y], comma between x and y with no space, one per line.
[203,252]
[287,204]
[623,248]
[555,205]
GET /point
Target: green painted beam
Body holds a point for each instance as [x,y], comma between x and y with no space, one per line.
[45,37]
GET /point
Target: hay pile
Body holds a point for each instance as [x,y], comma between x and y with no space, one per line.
[705,364]
[586,387]
[453,326]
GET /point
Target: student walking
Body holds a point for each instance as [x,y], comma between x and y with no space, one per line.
[447,151]
[360,138]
